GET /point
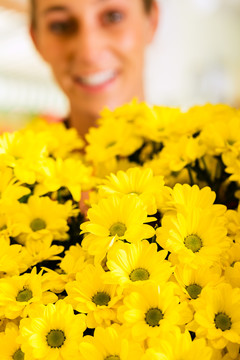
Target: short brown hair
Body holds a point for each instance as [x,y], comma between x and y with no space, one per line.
[147,6]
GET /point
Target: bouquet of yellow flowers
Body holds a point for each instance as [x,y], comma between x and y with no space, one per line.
[152,270]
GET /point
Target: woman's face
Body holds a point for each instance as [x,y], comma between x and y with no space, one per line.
[95,49]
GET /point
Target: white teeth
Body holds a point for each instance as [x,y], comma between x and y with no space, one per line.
[98,78]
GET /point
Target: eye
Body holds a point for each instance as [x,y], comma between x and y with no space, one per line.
[62,27]
[113,17]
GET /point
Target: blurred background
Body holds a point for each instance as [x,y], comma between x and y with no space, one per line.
[194,59]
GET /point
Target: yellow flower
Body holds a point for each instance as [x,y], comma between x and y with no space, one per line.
[131,112]
[217,315]
[52,332]
[152,354]
[68,173]
[134,263]
[138,181]
[193,281]
[74,261]
[175,345]
[12,259]
[91,294]
[42,219]
[109,344]
[229,357]
[231,264]
[10,348]
[115,219]
[36,251]
[19,293]
[204,114]
[185,197]
[60,141]
[151,310]
[110,139]
[159,122]
[196,238]
[25,153]
[177,154]
[222,135]
[233,224]
[10,189]
[232,161]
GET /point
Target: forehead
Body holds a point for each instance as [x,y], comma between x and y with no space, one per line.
[52,5]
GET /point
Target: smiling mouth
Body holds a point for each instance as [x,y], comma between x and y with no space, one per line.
[97,79]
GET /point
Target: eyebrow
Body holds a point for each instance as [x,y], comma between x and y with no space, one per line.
[54,8]
[64,8]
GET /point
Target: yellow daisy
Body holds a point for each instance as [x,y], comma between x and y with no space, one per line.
[217,316]
[42,219]
[177,154]
[10,189]
[134,263]
[193,281]
[19,293]
[198,237]
[25,153]
[110,139]
[36,251]
[52,332]
[12,259]
[109,344]
[68,173]
[74,261]
[222,135]
[233,224]
[115,219]
[60,141]
[185,197]
[152,354]
[229,357]
[90,294]
[160,123]
[152,309]
[177,346]
[6,224]
[231,160]
[138,181]
[231,265]
[10,348]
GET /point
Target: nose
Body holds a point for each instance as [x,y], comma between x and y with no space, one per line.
[90,44]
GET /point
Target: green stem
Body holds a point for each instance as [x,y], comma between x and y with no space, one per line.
[208,175]
[190,175]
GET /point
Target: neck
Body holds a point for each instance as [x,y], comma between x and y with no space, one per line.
[82,122]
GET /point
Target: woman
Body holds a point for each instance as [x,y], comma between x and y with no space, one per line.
[95,49]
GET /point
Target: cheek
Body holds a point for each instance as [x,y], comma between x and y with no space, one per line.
[132,43]
[51,50]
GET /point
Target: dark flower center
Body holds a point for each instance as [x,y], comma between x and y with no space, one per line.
[222,321]
[118,229]
[194,290]
[24,295]
[38,224]
[55,338]
[193,242]
[153,317]
[139,274]
[18,355]
[101,298]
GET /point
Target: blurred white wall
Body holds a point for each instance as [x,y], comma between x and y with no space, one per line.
[195,58]
[196,54]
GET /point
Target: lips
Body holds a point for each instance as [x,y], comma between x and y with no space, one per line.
[97,79]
